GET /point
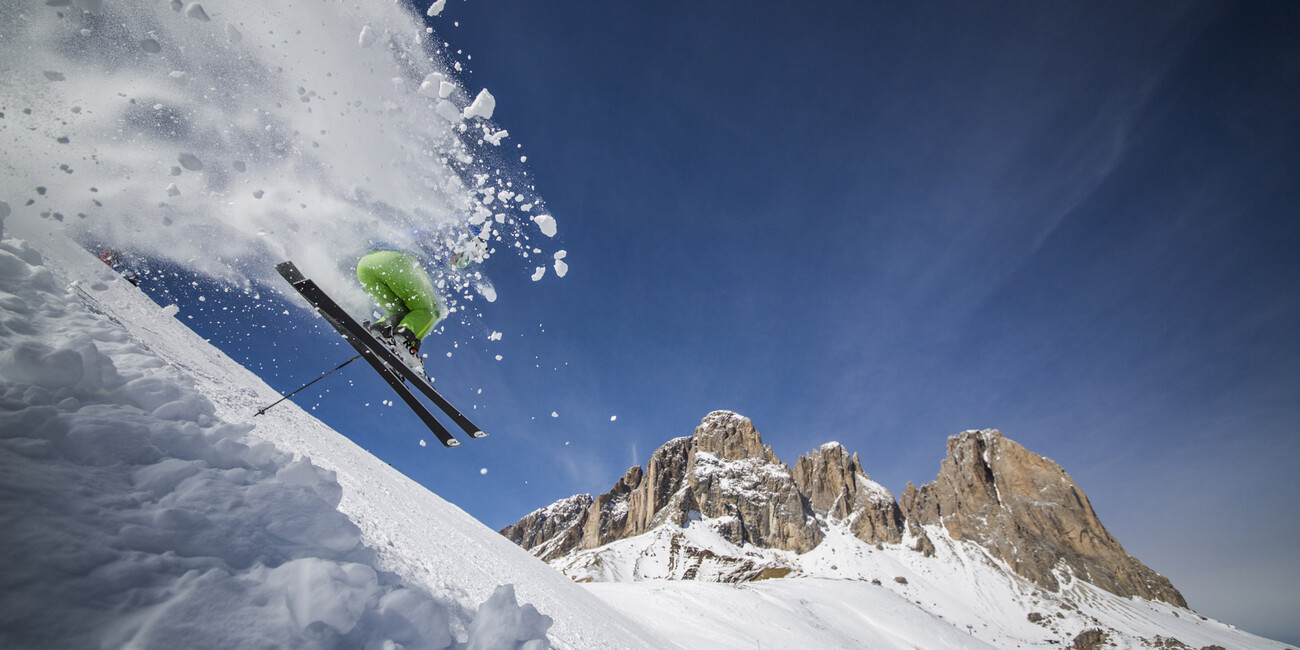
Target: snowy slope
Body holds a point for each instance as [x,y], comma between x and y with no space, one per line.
[849,594]
[143,506]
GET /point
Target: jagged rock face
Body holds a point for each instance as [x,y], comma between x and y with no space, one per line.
[1029,513]
[606,518]
[838,489]
[665,476]
[732,437]
[735,478]
[723,471]
[553,531]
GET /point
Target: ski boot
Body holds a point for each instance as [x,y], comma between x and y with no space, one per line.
[380,329]
[407,347]
[401,341]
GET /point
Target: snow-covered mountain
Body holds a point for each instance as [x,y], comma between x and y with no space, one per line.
[718,544]
[144,507]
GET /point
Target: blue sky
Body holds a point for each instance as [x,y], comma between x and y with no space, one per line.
[882,225]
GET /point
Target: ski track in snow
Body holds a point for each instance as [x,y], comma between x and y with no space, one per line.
[178,498]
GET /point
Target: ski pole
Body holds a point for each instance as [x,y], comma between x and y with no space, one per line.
[336,369]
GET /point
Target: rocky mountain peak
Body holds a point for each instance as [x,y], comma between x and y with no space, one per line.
[737,481]
[1028,512]
[730,436]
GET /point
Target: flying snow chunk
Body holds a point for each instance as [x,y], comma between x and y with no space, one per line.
[559,255]
[195,11]
[499,357]
[367,37]
[547,223]
[555,414]
[538,273]
[445,89]
[561,269]
[423,443]
[495,138]
[494,336]
[448,111]
[488,292]
[190,161]
[436,8]
[483,106]
[613,418]
[482,471]
[432,82]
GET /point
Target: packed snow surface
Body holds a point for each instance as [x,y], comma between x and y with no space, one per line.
[144,506]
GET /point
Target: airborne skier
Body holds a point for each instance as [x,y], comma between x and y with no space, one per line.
[403,289]
[391,366]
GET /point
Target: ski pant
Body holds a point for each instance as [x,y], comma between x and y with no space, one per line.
[403,290]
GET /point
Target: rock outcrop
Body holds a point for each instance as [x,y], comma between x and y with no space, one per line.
[838,489]
[553,531]
[1026,511]
[724,472]
[1020,507]
[735,479]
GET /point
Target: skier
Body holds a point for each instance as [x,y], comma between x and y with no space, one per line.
[403,289]
[391,267]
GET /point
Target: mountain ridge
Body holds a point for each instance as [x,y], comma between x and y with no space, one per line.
[1021,508]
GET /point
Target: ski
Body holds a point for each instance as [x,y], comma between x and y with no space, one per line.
[389,367]
[415,378]
[421,383]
